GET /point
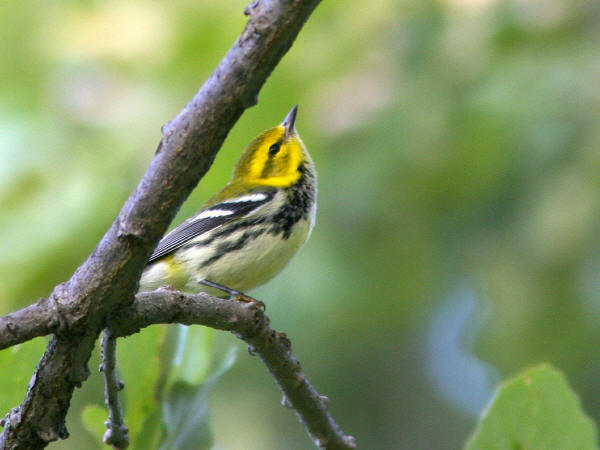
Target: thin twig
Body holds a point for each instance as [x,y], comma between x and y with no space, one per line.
[117,434]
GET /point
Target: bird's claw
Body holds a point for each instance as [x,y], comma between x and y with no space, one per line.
[247,299]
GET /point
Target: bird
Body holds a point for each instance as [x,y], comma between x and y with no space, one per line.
[247,232]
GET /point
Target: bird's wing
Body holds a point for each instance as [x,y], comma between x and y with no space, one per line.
[210,218]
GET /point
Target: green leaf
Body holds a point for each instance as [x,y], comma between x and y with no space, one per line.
[19,362]
[192,354]
[140,369]
[93,417]
[150,434]
[151,362]
[535,410]
[185,411]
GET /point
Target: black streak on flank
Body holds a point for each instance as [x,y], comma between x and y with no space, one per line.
[301,198]
[227,247]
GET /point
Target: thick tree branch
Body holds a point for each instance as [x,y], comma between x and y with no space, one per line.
[248,322]
[38,319]
[107,280]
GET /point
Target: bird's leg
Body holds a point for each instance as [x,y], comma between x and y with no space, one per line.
[233,293]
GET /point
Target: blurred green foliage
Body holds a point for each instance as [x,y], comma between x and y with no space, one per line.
[456,243]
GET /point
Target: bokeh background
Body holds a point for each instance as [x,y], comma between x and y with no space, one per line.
[457,143]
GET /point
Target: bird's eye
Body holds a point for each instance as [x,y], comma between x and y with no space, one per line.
[274,149]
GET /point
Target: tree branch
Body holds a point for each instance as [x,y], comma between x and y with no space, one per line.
[248,322]
[107,280]
[38,319]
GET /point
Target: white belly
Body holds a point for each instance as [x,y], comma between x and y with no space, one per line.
[257,262]
[260,259]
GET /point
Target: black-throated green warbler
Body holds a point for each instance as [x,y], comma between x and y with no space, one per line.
[248,231]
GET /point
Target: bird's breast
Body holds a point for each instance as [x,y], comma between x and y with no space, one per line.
[260,256]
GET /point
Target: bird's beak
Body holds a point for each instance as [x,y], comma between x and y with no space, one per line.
[289,123]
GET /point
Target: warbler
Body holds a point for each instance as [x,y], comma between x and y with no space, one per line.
[247,232]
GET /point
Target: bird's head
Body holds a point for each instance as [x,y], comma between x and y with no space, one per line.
[274,157]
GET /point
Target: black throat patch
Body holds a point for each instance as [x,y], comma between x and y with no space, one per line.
[300,199]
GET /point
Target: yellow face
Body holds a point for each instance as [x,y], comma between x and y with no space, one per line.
[272,159]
